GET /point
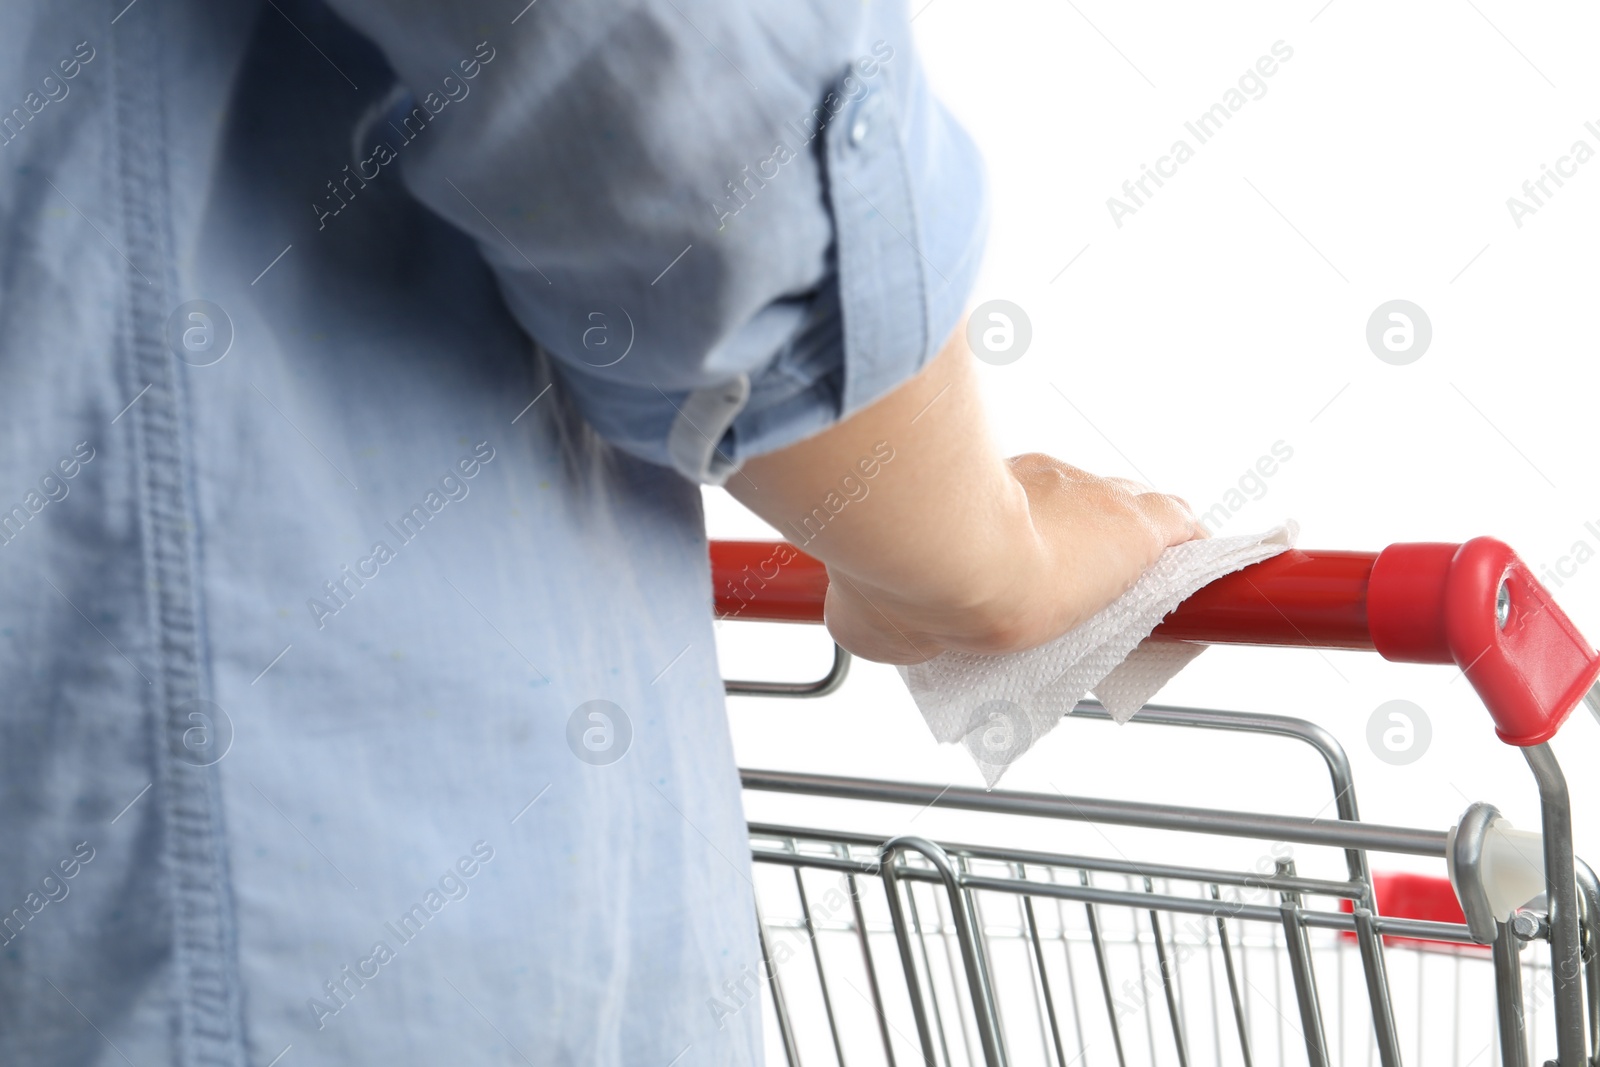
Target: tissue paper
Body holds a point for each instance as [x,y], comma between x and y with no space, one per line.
[999,706]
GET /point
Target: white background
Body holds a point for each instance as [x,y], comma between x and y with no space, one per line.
[1230,313]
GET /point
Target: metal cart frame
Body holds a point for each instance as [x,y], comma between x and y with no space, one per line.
[1475,605]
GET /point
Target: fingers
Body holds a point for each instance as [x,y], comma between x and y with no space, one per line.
[1171,516]
[1133,487]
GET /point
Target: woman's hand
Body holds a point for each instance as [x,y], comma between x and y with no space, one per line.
[1086,541]
[945,544]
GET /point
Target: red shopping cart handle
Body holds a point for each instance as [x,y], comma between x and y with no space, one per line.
[1475,605]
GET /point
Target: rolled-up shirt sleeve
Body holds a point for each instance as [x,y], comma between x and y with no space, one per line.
[729,225]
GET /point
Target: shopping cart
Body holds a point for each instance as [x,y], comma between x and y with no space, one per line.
[901,950]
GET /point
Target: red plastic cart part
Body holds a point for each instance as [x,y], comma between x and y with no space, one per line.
[1475,605]
[767,581]
[1402,895]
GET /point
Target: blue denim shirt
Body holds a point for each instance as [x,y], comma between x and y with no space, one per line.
[359,365]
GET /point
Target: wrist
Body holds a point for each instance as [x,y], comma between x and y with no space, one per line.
[977,584]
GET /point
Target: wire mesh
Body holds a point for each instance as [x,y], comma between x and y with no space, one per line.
[1096,962]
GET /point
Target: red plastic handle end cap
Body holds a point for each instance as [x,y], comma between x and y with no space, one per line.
[1516,646]
[1478,606]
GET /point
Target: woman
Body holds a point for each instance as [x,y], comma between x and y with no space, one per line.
[361,363]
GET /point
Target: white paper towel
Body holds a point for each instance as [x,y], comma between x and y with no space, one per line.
[998,706]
